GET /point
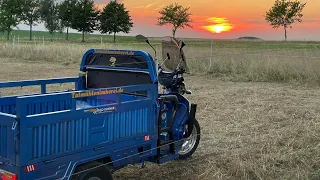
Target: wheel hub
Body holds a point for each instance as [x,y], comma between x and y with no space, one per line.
[189,142]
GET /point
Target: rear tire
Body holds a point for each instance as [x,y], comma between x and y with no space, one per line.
[94,171]
[191,143]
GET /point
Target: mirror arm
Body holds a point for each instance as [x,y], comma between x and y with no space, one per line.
[143,38]
[155,52]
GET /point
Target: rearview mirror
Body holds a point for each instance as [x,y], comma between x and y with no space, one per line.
[141,38]
[181,44]
[168,56]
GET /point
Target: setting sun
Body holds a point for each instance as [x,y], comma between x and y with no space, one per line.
[220,25]
[218,28]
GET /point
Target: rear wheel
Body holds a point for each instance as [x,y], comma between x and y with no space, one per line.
[191,143]
[94,171]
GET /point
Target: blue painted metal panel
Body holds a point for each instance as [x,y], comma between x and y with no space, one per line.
[39,107]
[7,141]
[44,103]
[84,57]
[83,132]
[9,109]
[51,127]
[8,105]
[3,141]
[63,166]
[55,134]
[58,138]
[38,82]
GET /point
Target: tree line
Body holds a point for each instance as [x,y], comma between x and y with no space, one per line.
[81,15]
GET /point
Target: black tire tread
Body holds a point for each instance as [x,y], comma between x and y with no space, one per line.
[186,156]
[102,171]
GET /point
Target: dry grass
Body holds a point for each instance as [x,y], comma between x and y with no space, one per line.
[253,130]
[250,131]
[284,64]
[241,61]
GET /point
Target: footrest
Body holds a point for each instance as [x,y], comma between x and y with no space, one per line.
[166,129]
[167,143]
[167,158]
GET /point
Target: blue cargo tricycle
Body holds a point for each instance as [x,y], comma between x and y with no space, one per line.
[113,117]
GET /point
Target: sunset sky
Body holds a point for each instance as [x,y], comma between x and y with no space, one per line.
[241,17]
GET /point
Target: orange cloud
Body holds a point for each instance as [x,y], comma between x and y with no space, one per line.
[159,8]
[146,6]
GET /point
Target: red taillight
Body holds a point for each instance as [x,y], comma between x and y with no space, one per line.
[147,138]
[30,168]
[4,175]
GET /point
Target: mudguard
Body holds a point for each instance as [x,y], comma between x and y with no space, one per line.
[182,117]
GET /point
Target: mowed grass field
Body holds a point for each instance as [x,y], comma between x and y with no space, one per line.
[24,36]
[258,105]
[237,60]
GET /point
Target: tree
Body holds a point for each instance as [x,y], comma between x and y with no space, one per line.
[284,13]
[114,19]
[49,14]
[84,17]
[31,13]
[61,26]
[66,8]
[176,15]
[9,15]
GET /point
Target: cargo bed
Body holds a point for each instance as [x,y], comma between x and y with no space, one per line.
[43,128]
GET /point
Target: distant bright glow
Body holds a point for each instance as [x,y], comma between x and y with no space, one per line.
[220,25]
[218,28]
